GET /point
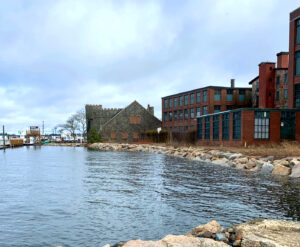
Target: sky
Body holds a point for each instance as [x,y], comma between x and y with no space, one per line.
[58,55]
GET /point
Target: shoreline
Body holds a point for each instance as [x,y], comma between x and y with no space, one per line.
[288,166]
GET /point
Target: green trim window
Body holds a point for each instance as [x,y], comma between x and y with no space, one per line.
[200,128]
[229,95]
[198,112]
[166,116]
[186,113]
[298,63]
[261,125]
[277,80]
[207,128]
[175,102]
[198,97]
[175,115]
[170,103]
[217,108]
[216,127]
[170,116]
[192,96]
[236,126]
[166,103]
[285,93]
[286,78]
[297,96]
[205,96]
[217,95]
[241,95]
[192,113]
[204,110]
[180,101]
[186,99]
[225,126]
[277,95]
[180,115]
[298,32]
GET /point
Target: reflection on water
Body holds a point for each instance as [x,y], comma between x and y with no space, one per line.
[66,196]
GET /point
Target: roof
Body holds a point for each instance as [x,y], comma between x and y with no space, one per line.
[266,63]
[282,53]
[202,88]
[254,79]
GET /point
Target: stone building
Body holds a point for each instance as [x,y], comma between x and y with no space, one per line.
[121,125]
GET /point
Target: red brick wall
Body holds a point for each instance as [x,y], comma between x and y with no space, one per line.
[266,85]
[297,129]
[282,60]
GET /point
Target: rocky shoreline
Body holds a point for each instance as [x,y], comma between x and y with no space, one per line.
[255,233]
[288,166]
[77,144]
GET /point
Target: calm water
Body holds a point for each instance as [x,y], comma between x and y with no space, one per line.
[66,196]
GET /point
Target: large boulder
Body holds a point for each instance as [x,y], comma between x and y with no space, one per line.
[269,233]
[281,170]
[213,227]
[267,168]
[296,171]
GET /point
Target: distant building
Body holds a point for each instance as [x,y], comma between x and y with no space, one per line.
[179,111]
[121,125]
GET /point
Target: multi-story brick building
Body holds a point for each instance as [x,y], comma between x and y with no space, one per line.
[179,111]
[294,60]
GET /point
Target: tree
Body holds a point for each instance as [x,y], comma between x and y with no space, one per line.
[81,122]
[71,126]
[94,136]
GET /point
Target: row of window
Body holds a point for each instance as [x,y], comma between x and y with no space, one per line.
[285,79]
[186,100]
[135,135]
[297,96]
[298,32]
[285,94]
[261,126]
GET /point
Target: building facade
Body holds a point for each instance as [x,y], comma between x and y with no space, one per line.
[294,60]
[121,125]
[179,111]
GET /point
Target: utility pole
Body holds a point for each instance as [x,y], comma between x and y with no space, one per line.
[43,127]
[4,145]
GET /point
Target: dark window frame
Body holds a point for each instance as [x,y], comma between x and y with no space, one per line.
[186,99]
[192,99]
[205,96]
[166,116]
[186,114]
[236,125]
[200,128]
[180,100]
[166,103]
[261,125]
[198,97]
[217,95]
[216,127]
[175,101]
[192,113]
[175,115]
[298,32]
[225,126]
[297,63]
[207,128]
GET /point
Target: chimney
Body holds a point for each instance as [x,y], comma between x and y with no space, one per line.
[232,83]
[150,109]
[282,60]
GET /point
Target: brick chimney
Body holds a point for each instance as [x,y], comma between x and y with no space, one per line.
[150,109]
[282,60]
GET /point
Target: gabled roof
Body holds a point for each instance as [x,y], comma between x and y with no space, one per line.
[253,80]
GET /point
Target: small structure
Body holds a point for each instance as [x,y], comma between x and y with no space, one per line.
[121,125]
[35,133]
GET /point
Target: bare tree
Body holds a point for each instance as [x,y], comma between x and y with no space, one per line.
[81,121]
[71,126]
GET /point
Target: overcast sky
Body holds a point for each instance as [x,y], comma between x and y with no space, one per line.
[58,55]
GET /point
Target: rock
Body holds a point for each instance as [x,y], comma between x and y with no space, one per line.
[237,243]
[281,170]
[213,227]
[296,171]
[107,245]
[267,168]
[234,156]
[243,160]
[284,163]
[295,162]
[222,161]
[250,165]
[221,237]
[205,156]
[177,241]
[239,166]
[269,158]
[269,233]
[205,234]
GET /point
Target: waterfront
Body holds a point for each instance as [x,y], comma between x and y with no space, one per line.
[75,197]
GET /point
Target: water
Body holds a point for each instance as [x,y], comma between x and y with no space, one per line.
[52,196]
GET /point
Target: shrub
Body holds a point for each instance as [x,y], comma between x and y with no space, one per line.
[94,136]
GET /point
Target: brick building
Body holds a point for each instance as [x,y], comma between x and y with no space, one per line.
[294,60]
[121,125]
[179,111]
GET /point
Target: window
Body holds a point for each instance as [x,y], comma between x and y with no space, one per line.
[180,101]
[113,135]
[216,126]
[204,110]
[170,116]
[166,116]
[297,96]
[192,96]
[175,102]
[135,119]
[241,95]
[180,114]
[207,128]
[175,115]
[225,126]
[198,113]
[229,107]
[298,32]
[277,80]
[135,135]
[285,93]
[236,126]
[200,128]
[277,95]
[186,99]
[180,129]
[217,108]
[186,128]
[186,113]
[198,97]
[286,78]
[217,96]
[229,95]
[192,113]
[205,96]
[124,135]
[166,103]
[261,125]
[298,63]
[170,103]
